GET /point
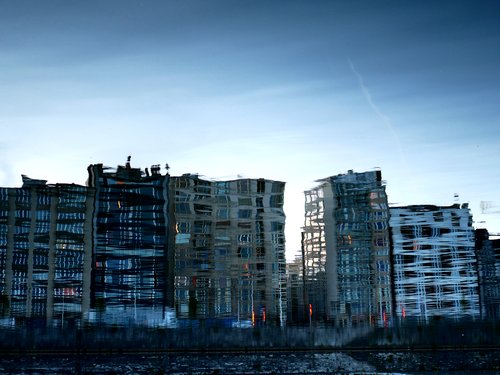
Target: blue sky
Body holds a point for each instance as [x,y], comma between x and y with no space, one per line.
[286,90]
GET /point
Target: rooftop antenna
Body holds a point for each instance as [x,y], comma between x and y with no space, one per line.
[128,161]
[167,167]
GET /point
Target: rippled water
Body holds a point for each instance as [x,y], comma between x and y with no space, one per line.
[192,364]
[247,363]
[137,247]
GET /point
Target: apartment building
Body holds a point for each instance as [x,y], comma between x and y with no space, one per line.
[132,278]
[45,251]
[347,249]
[488,266]
[435,270]
[230,250]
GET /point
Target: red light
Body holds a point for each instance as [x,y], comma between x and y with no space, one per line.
[310,309]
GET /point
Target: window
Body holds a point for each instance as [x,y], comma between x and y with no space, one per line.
[278,187]
[276,201]
[244,252]
[380,241]
[222,188]
[245,238]
[182,238]
[382,266]
[243,186]
[380,225]
[182,208]
[276,226]
[221,251]
[222,224]
[244,214]
[202,227]
[261,186]
[202,209]
[245,201]
[183,227]
[222,213]
[407,232]
[259,202]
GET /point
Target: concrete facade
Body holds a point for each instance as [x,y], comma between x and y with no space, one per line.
[435,270]
[347,249]
[45,251]
[230,250]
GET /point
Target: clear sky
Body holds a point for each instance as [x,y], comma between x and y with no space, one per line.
[286,90]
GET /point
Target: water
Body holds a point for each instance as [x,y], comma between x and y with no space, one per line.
[241,363]
[252,362]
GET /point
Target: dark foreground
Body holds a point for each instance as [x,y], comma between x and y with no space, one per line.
[243,363]
[440,348]
[361,361]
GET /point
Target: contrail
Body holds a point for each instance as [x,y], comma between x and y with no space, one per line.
[368,96]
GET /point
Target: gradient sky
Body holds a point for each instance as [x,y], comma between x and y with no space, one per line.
[286,90]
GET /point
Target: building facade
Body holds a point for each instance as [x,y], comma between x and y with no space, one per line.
[347,249]
[298,311]
[314,245]
[230,250]
[122,251]
[45,251]
[132,278]
[435,270]
[488,265]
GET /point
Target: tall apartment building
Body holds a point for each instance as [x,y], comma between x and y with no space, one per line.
[45,250]
[314,243]
[347,249]
[435,270]
[132,244]
[488,265]
[230,250]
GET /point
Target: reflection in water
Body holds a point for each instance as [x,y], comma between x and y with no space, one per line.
[138,247]
[364,261]
[434,262]
[130,243]
[346,249]
[45,251]
[488,266]
[229,250]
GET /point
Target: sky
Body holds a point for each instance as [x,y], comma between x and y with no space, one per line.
[290,90]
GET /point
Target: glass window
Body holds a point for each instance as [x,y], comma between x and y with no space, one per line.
[244,252]
[182,208]
[244,214]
